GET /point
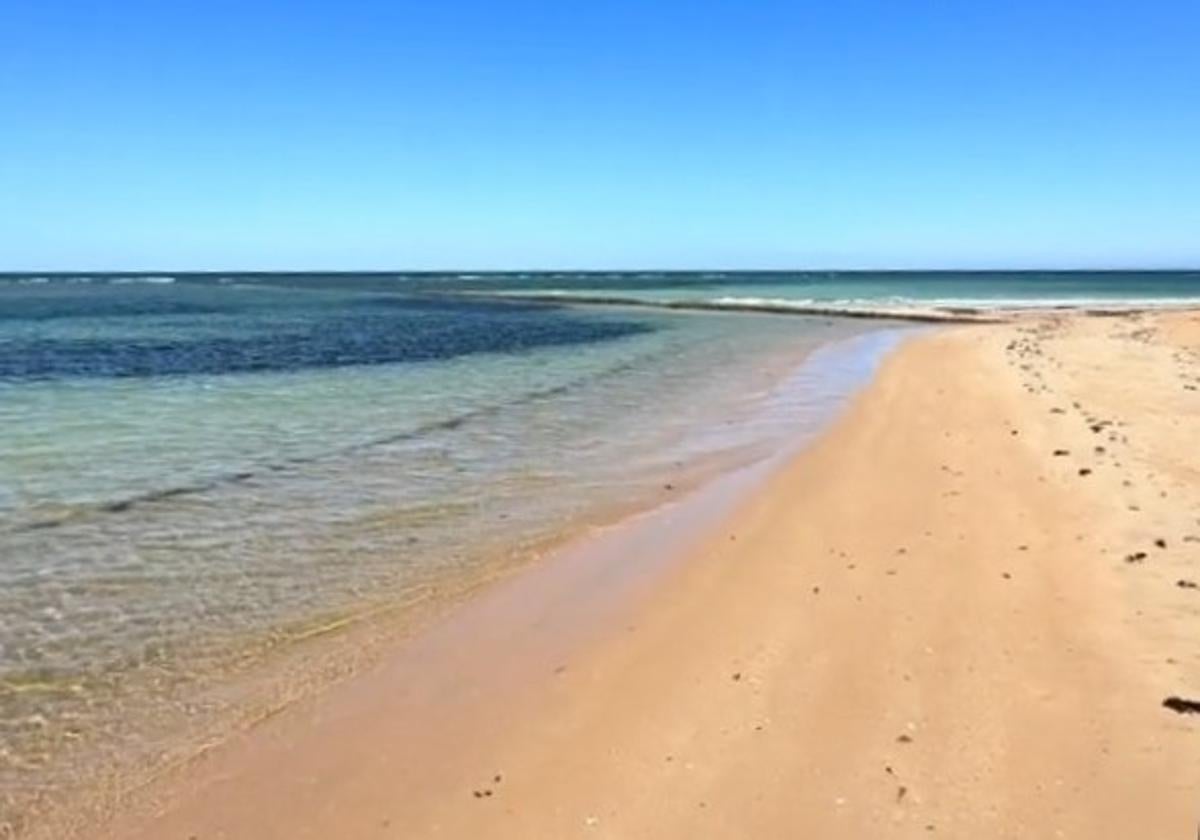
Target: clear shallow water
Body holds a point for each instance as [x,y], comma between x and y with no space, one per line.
[201,475]
[199,479]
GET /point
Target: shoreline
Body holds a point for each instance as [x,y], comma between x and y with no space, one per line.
[821,378]
[944,636]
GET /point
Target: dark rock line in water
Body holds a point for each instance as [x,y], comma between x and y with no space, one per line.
[934,314]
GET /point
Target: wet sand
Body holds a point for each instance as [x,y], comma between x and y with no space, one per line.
[958,614]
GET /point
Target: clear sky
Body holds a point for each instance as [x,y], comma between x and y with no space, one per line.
[470,134]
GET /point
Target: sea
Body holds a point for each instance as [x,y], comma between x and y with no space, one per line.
[221,492]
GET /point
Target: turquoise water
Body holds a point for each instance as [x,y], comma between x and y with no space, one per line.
[198,479]
[887,293]
[202,474]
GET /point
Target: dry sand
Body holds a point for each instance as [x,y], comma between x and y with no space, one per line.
[927,624]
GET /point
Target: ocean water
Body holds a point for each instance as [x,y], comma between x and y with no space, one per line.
[890,294]
[208,481]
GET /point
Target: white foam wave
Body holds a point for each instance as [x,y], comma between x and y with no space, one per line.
[957,305]
[153,281]
[876,308]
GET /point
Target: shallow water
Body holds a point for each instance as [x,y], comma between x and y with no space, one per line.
[198,479]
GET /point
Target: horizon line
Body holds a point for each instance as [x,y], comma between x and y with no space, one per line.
[74,272]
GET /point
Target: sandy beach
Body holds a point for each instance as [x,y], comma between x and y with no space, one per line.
[958,614]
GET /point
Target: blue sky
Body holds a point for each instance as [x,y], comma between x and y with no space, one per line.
[664,134]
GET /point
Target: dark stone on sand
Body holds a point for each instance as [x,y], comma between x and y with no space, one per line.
[736,676]
[1085,471]
[1187,584]
[1160,543]
[1136,557]
[904,739]
[1182,706]
[1060,452]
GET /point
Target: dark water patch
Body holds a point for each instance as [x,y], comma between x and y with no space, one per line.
[320,334]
